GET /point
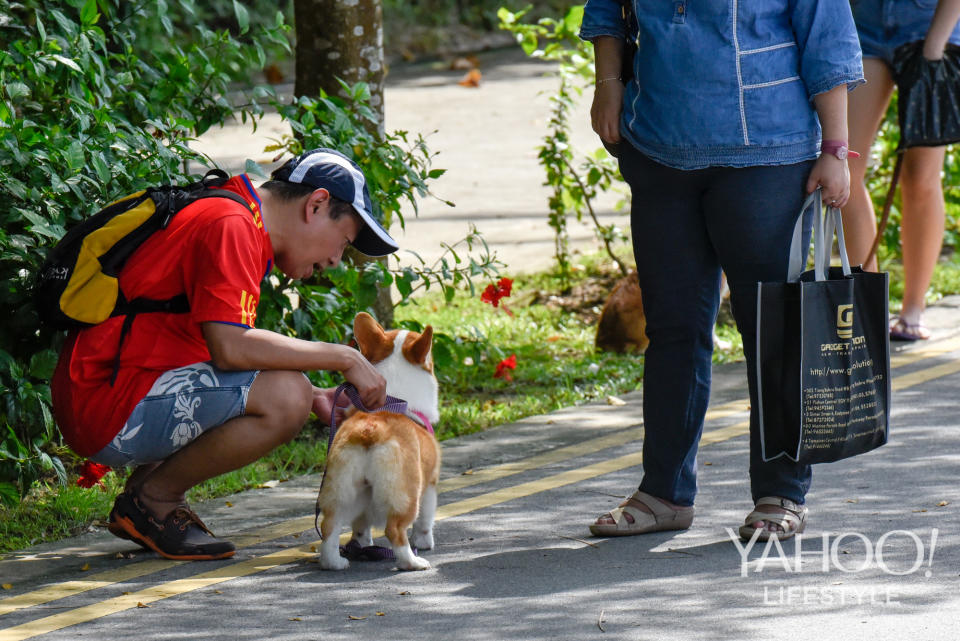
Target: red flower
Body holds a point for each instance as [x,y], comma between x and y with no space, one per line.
[91,473]
[493,293]
[504,366]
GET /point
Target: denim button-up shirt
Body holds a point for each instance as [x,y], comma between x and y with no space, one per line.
[730,82]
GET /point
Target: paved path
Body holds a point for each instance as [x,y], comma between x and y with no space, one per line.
[487,140]
[514,558]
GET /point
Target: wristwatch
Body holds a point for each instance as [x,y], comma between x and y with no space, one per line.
[837,148]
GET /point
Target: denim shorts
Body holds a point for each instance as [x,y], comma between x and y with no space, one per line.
[884,25]
[182,404]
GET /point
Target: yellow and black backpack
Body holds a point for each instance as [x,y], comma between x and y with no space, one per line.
[78,285]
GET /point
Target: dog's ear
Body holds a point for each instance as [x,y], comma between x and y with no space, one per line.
[421,347]
[368,333]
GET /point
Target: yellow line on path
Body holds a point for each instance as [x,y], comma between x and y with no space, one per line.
[924,375]
[938,348]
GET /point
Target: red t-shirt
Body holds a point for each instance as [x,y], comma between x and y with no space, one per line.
[216,252]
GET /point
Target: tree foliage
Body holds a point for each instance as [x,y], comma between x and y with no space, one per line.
[102,98]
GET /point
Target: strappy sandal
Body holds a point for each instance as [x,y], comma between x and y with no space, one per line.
[663,518]
[793,521]
[901,330]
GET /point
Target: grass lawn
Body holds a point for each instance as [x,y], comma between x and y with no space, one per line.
[549,329]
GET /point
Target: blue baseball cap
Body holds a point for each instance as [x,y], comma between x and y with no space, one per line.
[329,169]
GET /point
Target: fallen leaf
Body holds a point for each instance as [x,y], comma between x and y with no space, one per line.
[86,566]
[269,484]
[218,591]
[600,621]
[294,619]
[708,463]
[141,604]
[404,593]
[853,500]
[7,586]
[313,548]
[920,510]
[471,79]
[467,472]
[943,503]
[353,618]
[229,504]
[381,614]
[554,338]
[613,400]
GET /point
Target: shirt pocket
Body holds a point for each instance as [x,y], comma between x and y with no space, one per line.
[778,114]
[769,65]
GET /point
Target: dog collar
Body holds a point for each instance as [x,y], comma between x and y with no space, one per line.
[421,418]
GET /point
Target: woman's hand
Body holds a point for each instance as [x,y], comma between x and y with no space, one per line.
[833,176]
[605,111]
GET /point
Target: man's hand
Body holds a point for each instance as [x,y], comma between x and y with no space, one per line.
[323,403]
[370,384]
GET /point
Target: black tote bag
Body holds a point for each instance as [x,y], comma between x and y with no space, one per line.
[823,353]
[928,103]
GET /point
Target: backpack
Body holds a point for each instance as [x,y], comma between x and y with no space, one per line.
[78,285]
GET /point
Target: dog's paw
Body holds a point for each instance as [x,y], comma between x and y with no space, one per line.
[422,540]
[413,563]
[333,562]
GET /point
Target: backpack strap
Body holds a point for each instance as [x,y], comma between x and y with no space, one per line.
[178,304]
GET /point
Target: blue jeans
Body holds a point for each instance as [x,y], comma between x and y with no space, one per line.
[686,227]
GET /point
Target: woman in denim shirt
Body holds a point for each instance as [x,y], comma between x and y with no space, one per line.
[883,26]
[719,134]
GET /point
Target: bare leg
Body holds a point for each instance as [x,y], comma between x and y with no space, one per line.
[921,232]
[277,407]
[866,108]
[138,476]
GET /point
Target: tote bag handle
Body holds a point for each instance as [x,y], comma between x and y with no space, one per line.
[824,227]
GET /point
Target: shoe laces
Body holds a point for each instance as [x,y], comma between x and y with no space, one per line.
[184,516]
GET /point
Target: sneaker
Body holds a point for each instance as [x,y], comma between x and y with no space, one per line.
[180,536]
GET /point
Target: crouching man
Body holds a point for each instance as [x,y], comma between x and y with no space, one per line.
[201,393]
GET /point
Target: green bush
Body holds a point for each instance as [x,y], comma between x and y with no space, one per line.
[89,113]
[101,98]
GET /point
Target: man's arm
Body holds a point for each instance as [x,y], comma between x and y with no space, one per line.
[238,348]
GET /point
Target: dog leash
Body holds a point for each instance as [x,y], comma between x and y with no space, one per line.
[353,550]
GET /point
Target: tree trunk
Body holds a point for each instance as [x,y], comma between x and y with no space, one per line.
[343,39]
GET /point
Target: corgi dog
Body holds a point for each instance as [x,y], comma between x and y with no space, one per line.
[622,324]
[383,467]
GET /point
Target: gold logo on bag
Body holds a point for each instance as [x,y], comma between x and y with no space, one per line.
[845,321]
